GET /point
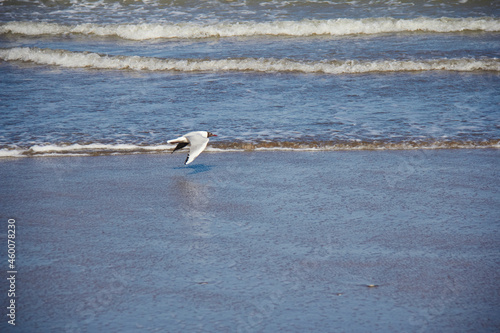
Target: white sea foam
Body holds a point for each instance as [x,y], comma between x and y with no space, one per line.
[50,150]
[333,27]
[95,147]
[90,60]
[82,149]
[11,152]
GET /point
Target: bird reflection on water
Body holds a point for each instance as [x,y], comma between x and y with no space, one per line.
[193,200]
[197,168]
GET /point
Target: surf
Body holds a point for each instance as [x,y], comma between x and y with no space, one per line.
[100,149]
[302,28]
[89,60]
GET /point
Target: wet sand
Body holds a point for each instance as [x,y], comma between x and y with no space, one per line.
[353,241]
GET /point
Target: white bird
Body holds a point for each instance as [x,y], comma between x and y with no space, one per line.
[197,140]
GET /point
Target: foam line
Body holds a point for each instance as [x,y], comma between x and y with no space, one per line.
[94,149]
[90,60]
[304,28]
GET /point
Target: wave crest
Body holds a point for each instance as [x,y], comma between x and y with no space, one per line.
[91,60]
[304,28]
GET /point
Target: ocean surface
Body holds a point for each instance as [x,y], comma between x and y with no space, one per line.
[371,224]
[121,77]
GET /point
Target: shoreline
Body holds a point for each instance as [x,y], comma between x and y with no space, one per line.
[98,149]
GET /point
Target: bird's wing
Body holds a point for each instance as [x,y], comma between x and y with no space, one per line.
[198,144]
[180,145]
[178,140]
[181,141]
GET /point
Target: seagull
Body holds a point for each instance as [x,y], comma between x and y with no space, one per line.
[197,141]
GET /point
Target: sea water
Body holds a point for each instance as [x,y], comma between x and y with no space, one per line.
[114,77]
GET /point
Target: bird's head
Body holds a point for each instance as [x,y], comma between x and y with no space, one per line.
[210,134]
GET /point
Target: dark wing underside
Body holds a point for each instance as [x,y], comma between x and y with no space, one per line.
[180,145]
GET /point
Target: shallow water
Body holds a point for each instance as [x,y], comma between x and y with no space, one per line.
[381,241]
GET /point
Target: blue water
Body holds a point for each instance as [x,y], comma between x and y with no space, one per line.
[80,78]
[389,241]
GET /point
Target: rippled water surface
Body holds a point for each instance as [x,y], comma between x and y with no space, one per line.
[124,77]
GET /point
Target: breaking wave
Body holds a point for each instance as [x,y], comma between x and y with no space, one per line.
[98,149]
[304,28]
[91,60]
